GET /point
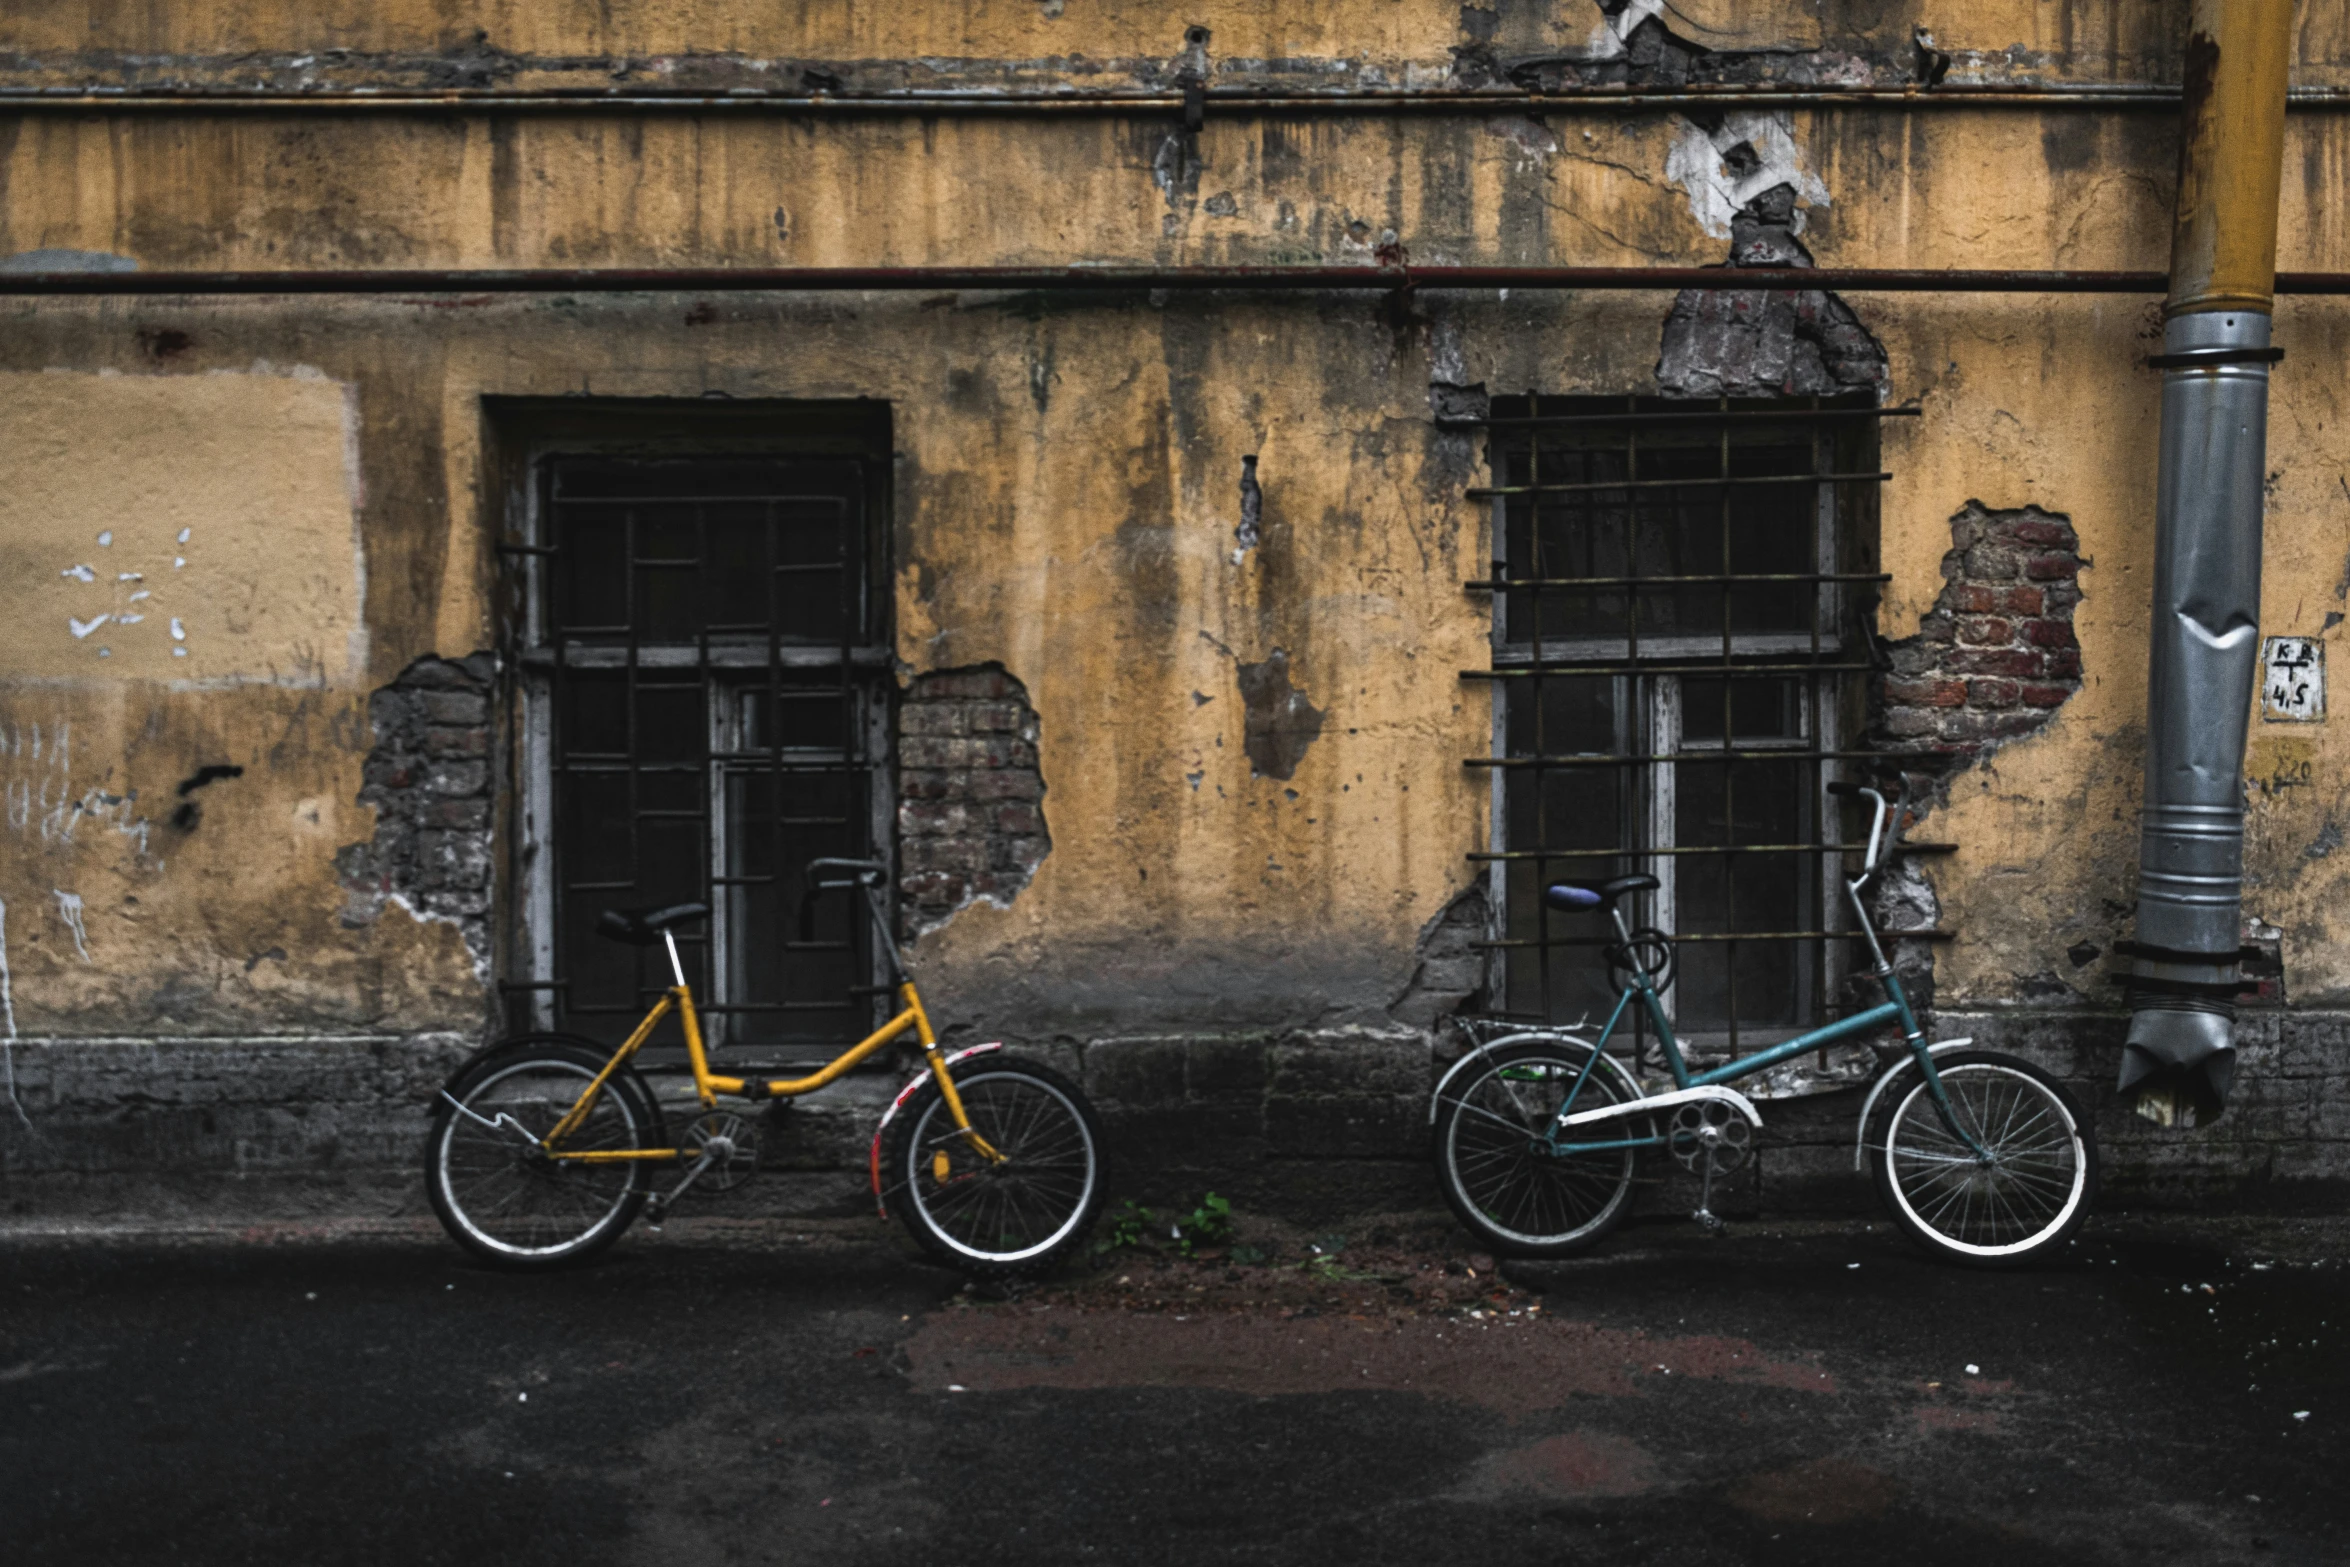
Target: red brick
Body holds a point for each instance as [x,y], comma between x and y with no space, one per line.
[982,684]
[2050,633]
[2045,696]
[2065,663]
[2033,530]
[1973,598]
[1986,631]
[2011,662]
[2018,601]
[1926,693]
[1991,693]
[2052,568]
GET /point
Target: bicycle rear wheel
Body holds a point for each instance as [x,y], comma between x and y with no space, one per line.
[1489,1125]
[2032,1194]
[500,1195]
[1016,1215]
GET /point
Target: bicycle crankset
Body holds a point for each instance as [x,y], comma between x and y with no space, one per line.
[730,1140]
[1711,1134]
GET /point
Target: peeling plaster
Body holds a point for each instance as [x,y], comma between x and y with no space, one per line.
[1720,185]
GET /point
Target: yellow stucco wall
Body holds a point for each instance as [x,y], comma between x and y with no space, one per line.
[1069,471]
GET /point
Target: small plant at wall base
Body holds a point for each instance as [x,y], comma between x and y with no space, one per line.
[1210,1224]
[1126,1227]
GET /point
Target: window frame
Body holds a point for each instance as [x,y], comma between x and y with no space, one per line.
[524,439]
[1648,669]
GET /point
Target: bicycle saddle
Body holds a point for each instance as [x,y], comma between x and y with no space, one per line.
[643,927]
[1574,895]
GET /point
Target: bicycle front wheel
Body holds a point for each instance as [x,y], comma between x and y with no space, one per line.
[1021,1202]
[2029,1195]
[501,1195]
[1490,1158]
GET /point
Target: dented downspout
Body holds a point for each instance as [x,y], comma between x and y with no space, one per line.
[2180,1056]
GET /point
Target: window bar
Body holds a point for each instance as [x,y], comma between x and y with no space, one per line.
[1729,763]
[1826,508]
[781,965]
[629,609]
[1724,481]
[1636,415]
[552,607]
[844,595]
[1637,710]
[1535,606]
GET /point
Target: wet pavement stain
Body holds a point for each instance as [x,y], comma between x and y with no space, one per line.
[758,1393]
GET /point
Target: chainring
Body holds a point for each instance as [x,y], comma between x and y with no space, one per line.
[1710,1130]
[738,1165]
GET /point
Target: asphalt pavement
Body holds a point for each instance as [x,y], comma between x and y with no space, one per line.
[2173,1391]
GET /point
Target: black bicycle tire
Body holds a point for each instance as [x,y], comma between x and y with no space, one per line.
[1879,1134]
[902,1196]
[1464,1208]
[644,1115]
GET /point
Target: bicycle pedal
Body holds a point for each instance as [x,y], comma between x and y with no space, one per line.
[1710,1222]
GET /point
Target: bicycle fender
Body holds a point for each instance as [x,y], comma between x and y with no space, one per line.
[498,1047]
[873,1156]
[1709,1092]
[1436,1099]
[1860,1132]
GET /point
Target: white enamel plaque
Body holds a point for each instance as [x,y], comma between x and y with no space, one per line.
[2293,680]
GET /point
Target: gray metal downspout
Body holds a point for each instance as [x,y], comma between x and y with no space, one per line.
[2179,1059]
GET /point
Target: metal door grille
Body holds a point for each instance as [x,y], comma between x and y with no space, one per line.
[1678,657]
[707,692]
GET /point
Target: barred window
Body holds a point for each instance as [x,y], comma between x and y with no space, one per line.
[704,671]
[1678,656]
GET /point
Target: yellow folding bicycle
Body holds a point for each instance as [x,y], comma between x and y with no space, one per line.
[545,1147]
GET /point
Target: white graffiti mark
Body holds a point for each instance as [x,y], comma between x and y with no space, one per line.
[8,1022]
[106,540]
[82,628]
[1715,194]
[1608,37]
[79,574]
[179,633]
[69,909]
[48,804]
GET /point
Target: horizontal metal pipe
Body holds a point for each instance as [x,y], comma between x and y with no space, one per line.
[1715,481]
[698,280]
[1228,100]
[1683,937]
[1648,416]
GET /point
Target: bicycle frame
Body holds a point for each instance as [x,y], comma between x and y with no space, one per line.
[708,1085]
[1895,1008]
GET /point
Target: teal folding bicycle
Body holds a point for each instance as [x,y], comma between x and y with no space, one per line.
[1983,1158]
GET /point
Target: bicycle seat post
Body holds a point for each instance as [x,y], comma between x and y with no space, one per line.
[676,967]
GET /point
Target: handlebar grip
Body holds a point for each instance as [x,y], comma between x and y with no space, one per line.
[1847,790]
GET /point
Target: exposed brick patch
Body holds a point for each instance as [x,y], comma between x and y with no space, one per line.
[1449,968]
[428,778]
[1752,343]
[1997,656]
[970,796]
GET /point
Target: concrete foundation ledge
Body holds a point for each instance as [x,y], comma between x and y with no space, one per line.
[1309,1125]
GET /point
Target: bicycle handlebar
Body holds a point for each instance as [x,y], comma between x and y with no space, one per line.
[1879,839]
[869,873]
